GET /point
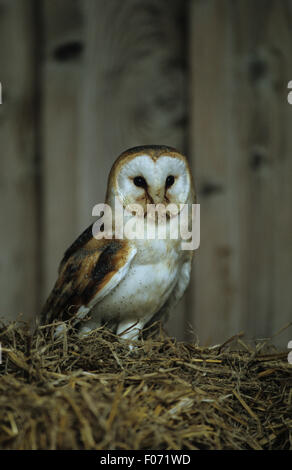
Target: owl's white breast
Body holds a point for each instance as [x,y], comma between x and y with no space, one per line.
[148,283]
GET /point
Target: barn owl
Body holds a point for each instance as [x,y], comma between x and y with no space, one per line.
[127,282]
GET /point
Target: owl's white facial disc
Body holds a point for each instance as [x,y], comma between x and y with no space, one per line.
[178,192]
[155,173]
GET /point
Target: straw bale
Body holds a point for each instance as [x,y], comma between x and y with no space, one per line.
[96,393]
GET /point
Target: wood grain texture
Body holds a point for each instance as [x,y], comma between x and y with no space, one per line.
[61,85]
[18,234]
[133,91]
[241,144]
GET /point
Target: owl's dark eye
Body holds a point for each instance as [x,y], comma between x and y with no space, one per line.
[140,181]
[169,181]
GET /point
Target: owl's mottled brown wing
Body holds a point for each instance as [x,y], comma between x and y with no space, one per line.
[82,240]
[89,270]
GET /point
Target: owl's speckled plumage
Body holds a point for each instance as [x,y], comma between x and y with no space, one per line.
[127,282]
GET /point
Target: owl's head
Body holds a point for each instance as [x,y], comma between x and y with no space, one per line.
[152,174]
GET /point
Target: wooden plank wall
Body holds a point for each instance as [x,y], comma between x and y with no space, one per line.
[83,80]
[18,188]
[241,142]
[62,75]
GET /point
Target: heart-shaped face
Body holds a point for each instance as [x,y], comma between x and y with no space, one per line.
[151,175]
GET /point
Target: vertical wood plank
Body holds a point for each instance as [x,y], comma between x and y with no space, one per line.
[214,278]
[266,144]
[279,32]
[241,142]
[18,235]
[61,78]
[133,91]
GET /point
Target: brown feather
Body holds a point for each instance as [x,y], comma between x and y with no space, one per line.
[88,265]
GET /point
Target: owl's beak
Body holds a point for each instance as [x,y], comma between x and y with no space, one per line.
[157,197]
